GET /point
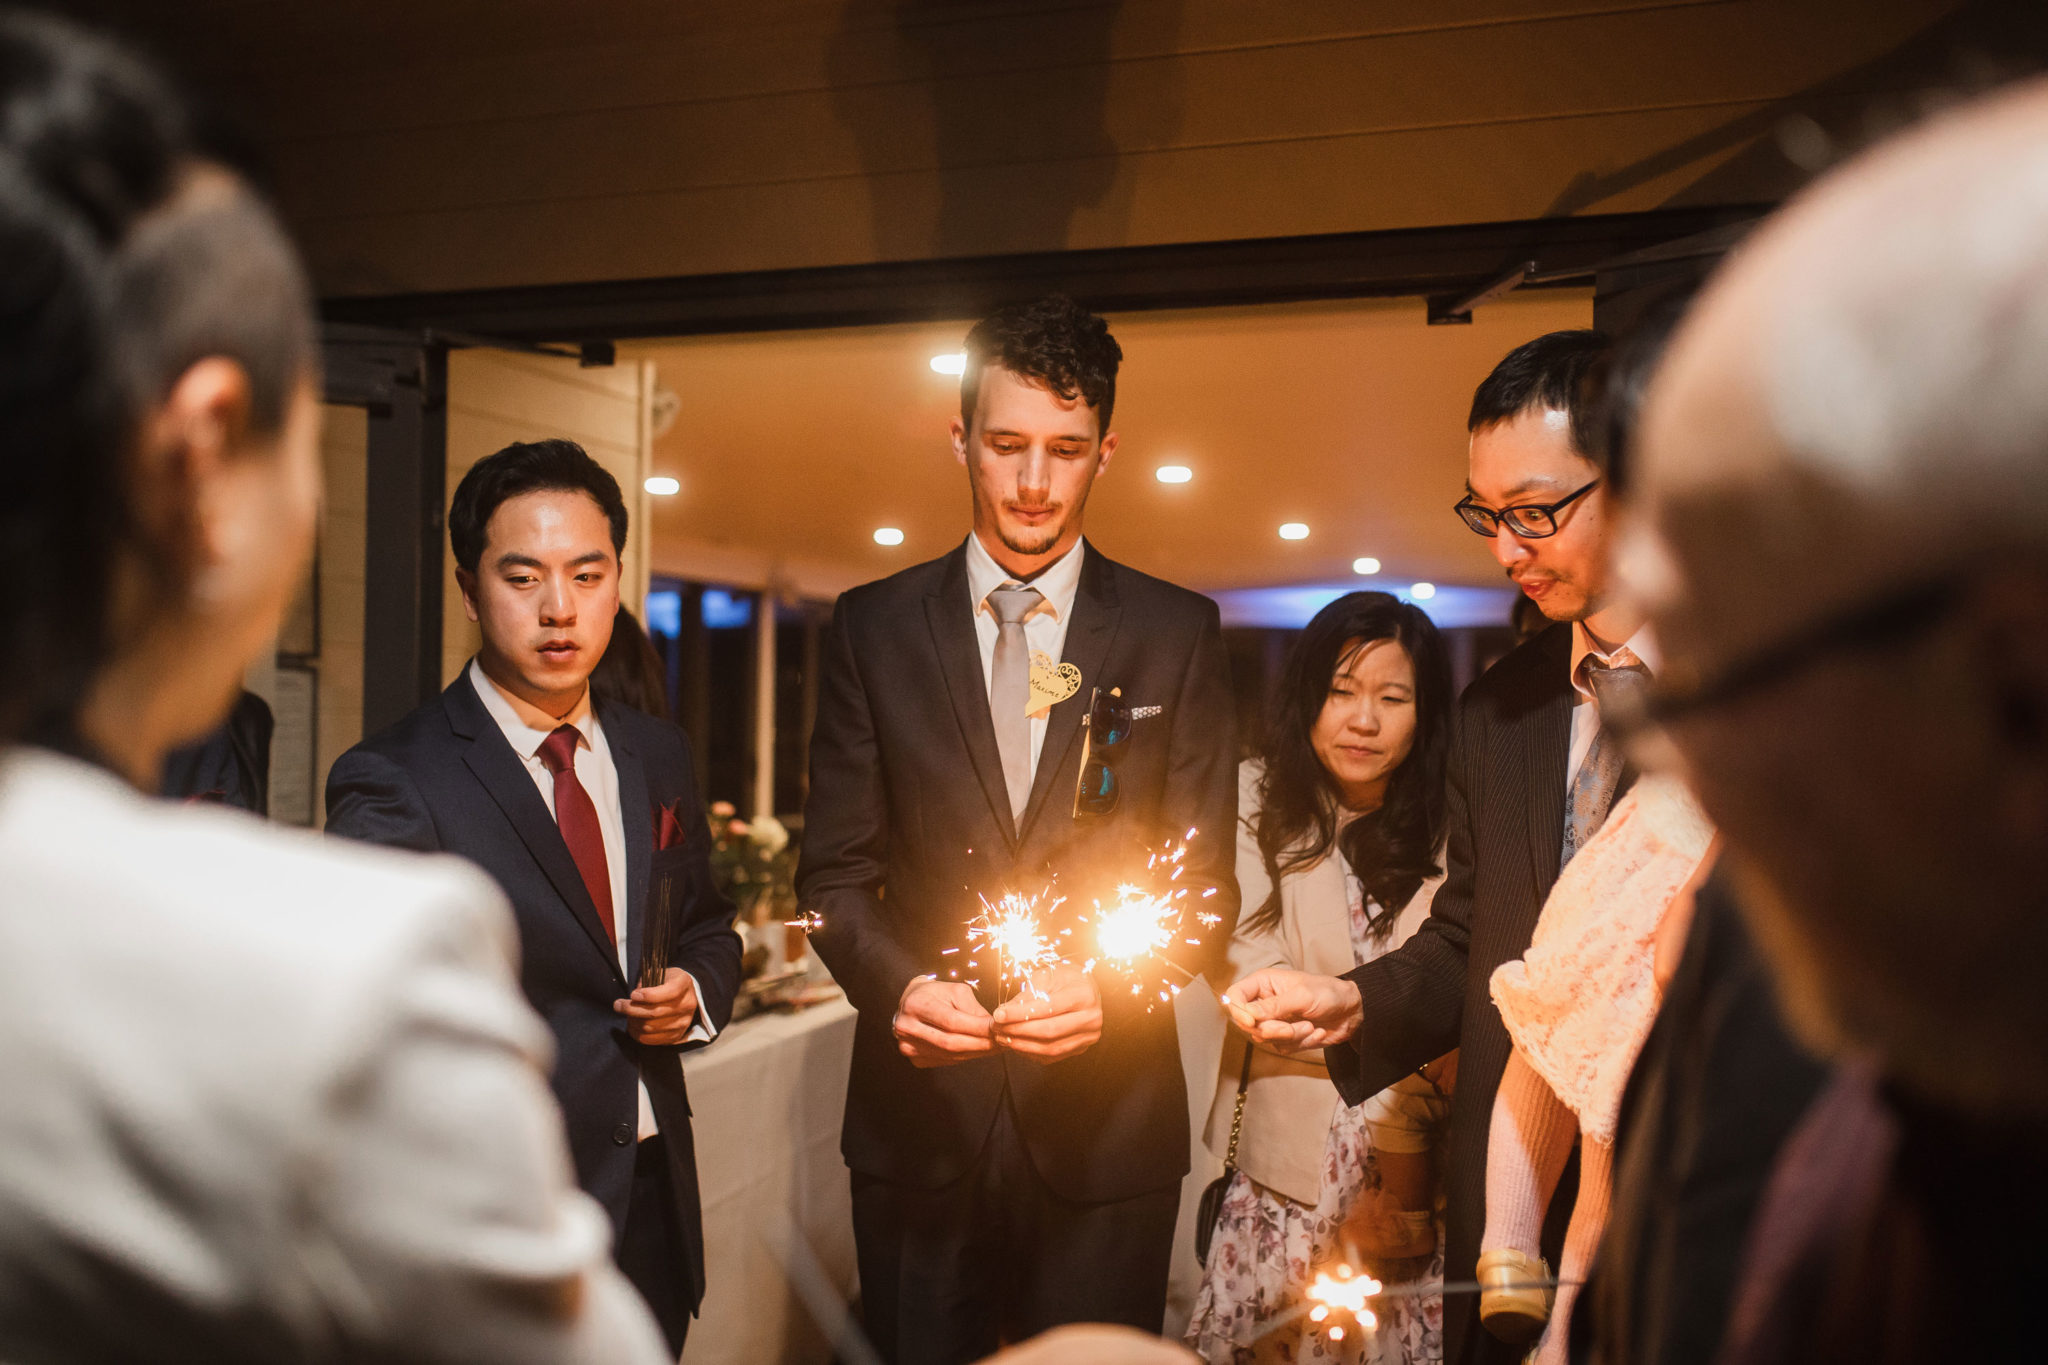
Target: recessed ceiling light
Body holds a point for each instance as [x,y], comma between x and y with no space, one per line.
[1422,592]
[1294,530]
[953,362]
[1365,565]
[662,486]
[888,535]
[1173,473]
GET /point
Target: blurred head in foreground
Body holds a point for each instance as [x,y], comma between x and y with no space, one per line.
[1844,481]
[158,420]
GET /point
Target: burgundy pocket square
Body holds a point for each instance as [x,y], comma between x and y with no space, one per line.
[668,827]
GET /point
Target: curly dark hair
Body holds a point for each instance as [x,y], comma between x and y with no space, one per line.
[1052,340]
[1391,850]
[528,467]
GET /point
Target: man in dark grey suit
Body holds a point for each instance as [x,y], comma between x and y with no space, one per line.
[1016,1157]
[1531,776]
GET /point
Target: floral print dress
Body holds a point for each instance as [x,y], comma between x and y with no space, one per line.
[1268,1248]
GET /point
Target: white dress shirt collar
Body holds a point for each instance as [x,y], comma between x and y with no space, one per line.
[1058,582]
[1642,644]
[526,726]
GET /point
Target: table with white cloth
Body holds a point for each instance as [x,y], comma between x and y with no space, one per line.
[767,1099]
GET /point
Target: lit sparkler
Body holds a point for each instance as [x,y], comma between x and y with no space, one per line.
[1141,923]
[1014,930]
[1340,1299]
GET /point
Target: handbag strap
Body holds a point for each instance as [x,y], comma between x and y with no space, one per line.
[1244,1080]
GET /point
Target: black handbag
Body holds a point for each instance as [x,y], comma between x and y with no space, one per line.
[1211,1209]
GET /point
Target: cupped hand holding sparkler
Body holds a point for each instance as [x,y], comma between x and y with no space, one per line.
[1057,1015]
[1293,1011]
[941,1023]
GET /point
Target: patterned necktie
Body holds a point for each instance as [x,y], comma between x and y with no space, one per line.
[1604,766]
[1009,691]
[576,813]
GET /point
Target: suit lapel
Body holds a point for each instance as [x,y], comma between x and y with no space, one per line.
[951,618]
[636,815]
[1089,637]
[491,758]
[1548,749]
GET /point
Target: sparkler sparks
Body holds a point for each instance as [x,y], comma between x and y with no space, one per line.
[1135,926]
[1013,929]
[1339,1300]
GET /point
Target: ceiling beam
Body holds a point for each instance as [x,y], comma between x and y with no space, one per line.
[1398,263]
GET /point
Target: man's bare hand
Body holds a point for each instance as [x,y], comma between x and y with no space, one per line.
[1292,1011]
[661,1015]
[940,1023]
[1056,1016]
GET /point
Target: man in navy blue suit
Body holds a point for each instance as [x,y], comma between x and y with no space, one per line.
[587,813]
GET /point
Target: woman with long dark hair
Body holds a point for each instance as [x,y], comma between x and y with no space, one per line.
[1341,824]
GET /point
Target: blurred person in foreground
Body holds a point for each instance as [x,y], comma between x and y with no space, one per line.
[267,1097]
[1844,471]
[585,810]
[1340,832]
[1718,1082]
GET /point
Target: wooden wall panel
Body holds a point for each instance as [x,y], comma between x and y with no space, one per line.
[443,144]
[344,434]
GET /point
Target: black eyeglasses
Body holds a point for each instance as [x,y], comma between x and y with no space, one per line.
[1109,727]
[1529,520]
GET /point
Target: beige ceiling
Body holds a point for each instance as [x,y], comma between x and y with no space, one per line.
[793,447]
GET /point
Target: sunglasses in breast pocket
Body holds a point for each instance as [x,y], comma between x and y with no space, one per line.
[1109,724]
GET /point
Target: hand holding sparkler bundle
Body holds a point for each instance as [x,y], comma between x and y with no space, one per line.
[1059,1015]
[1291,1011]
[942,1023]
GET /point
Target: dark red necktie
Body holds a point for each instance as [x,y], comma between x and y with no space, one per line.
[577,815]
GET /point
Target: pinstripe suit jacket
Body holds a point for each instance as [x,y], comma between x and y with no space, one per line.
[1507,811]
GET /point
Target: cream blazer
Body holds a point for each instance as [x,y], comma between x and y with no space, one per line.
[1290,1103]
[270,1096]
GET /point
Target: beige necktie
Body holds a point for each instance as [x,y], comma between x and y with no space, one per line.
[1010,691]
[1601,771]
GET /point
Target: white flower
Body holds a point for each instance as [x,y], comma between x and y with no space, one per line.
[768,832]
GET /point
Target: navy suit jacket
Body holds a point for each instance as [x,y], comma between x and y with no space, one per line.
[444,779]
[908,819]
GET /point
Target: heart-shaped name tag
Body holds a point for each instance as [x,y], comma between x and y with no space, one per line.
[1051,684]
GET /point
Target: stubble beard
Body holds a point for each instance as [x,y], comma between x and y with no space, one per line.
[1040,541]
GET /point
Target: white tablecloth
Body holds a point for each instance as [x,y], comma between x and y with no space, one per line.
[766,1101]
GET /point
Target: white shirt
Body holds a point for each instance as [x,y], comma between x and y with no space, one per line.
[1045,629]
[526,727]
[1585,706]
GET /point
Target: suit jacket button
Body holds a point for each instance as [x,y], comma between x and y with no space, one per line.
[623,1134]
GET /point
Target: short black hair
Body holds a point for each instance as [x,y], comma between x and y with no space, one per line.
[1055,342]
[528,467]
[1551,374]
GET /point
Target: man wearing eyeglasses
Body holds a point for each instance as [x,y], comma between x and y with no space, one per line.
[1019,710]
[1532,776]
